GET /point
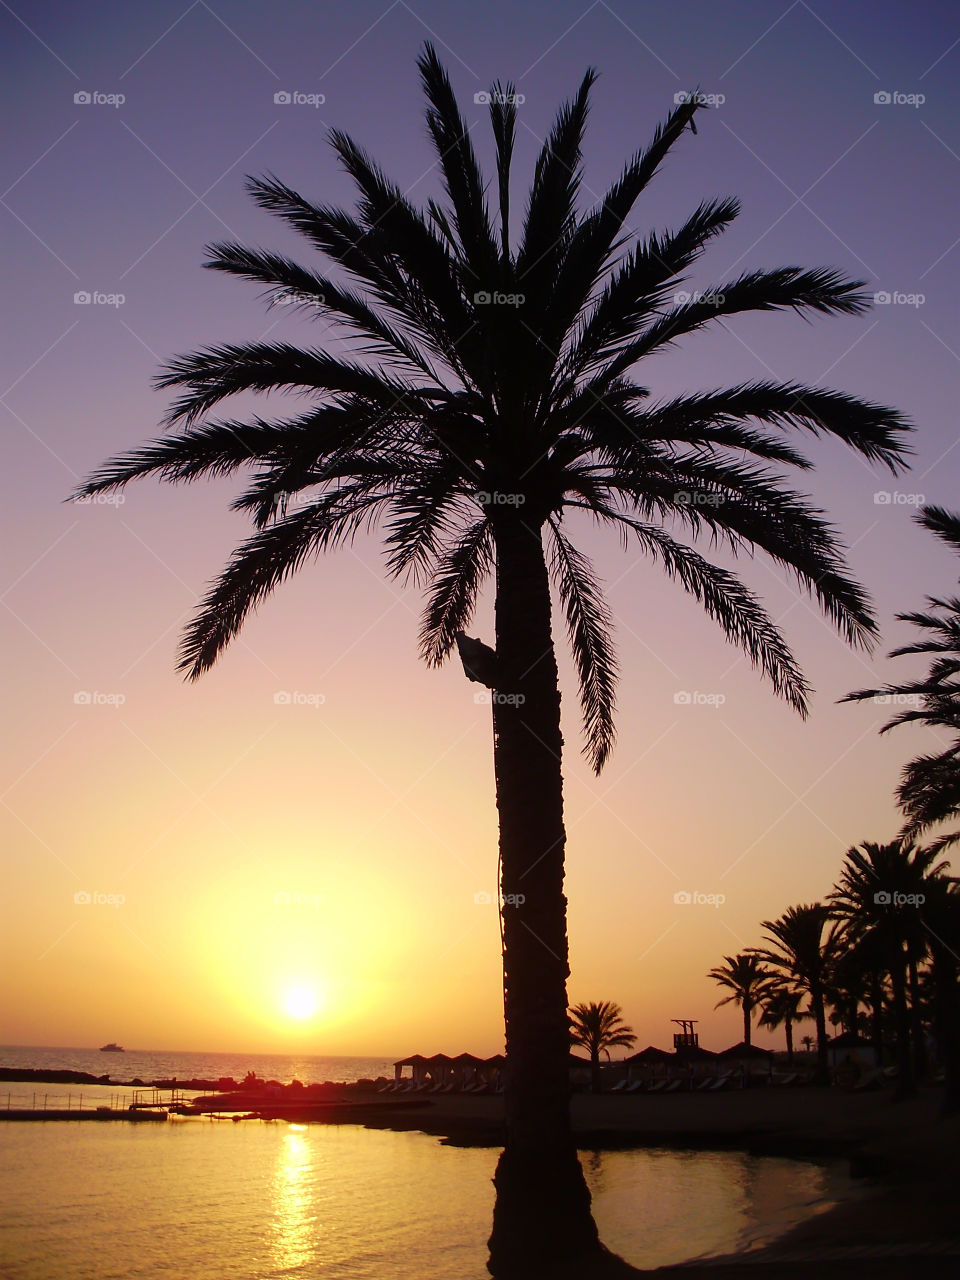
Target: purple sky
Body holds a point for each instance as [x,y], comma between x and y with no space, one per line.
[198,805]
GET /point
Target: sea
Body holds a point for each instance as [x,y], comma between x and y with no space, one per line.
[214,1200]
[164,1064]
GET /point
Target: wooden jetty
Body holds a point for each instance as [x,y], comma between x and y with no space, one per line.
[50,1107]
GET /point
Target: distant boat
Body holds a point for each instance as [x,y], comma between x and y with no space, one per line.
[111,1048]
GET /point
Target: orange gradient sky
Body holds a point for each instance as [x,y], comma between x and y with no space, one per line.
[335,841]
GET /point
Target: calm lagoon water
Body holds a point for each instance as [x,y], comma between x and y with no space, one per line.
[212,1200]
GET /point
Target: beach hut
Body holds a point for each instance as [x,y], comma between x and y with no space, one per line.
[690,1062]
[649,1063]
[491,1070]
[747,1060]
[417,1064]
[580,1071]
[851,1049]
[466,1070]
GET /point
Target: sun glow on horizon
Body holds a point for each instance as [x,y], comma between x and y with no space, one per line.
[301,1002]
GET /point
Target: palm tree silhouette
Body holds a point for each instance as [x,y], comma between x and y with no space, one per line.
[941,918]
[800,951]
[599,1027]
[747,980]
[929,791]
[781,1007]
[497,402]
[879,898]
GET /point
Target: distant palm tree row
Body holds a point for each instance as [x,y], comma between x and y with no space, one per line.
[882,952]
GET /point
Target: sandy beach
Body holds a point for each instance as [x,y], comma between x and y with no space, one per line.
[902,1221]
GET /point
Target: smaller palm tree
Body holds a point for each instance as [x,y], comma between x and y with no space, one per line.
[747,980]
[598,1028]
[807,1042]
[782,1007]
[802,945]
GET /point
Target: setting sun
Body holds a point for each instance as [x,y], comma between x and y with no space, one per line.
[300,1002]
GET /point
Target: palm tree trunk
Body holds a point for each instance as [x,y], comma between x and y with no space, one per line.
[746,1024]
[788,1027]
[542,1210]
[595,1070]
[948,1024]
[876,1005]
[898,973]
[916,1017]
[820,1017]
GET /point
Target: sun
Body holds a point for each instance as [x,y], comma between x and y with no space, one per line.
[300,1003]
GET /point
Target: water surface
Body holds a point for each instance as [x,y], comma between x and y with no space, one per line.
[250,1201]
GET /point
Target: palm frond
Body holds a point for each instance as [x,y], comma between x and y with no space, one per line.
[796,289]
[452,596]
[461,172]
[265,560]
[589,626]
[738,612]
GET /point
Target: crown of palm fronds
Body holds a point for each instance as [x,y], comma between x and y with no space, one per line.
[780,1003]
[486,370]
[746,977]
[599,1026]
[880,896]
[797,946]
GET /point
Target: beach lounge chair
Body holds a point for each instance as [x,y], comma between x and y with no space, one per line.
[674,1085]
[792,1078]
[872,1079]
[721,1082]
[619,1087]
[635,1087]
[658,1086]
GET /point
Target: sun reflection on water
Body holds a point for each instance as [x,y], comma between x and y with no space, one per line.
[294,1226]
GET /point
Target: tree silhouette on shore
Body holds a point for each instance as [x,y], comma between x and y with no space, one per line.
[747,980]
[495,414]
[598,1027]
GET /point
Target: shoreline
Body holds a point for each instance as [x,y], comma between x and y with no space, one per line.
[902,1217]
